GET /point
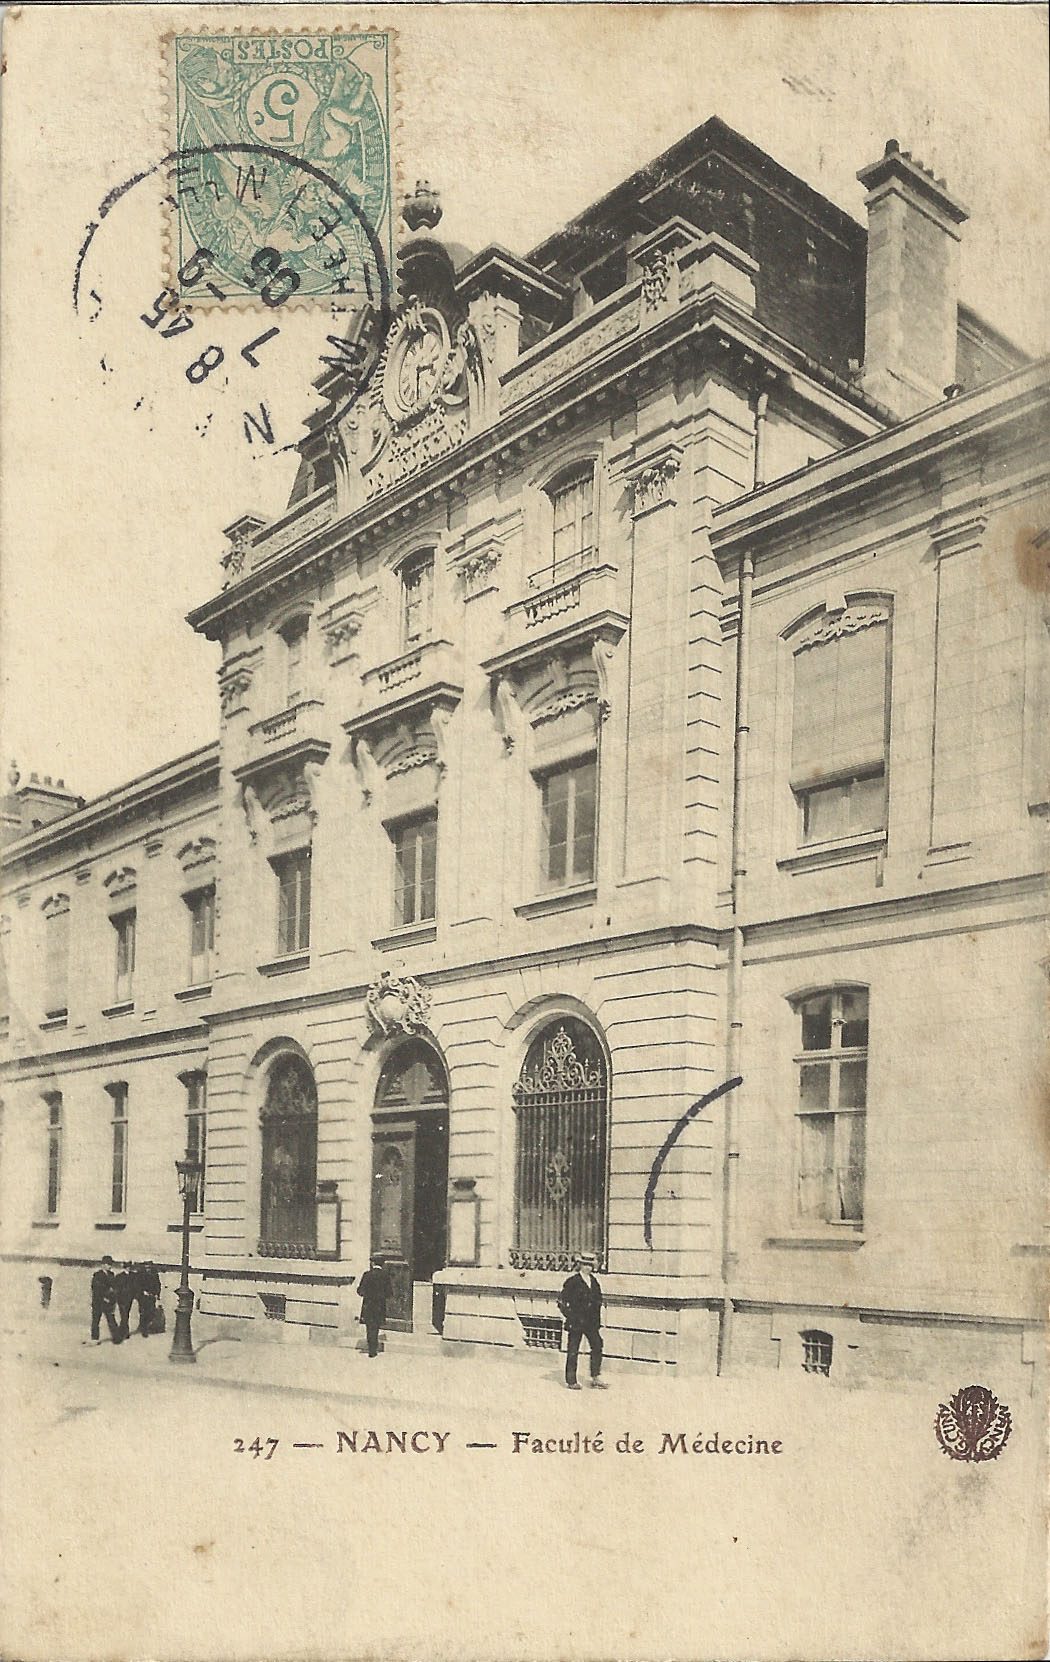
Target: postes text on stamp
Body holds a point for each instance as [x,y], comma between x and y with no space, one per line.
[264,123]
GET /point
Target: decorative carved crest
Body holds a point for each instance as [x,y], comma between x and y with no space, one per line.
[397,1003]
[55,905]
[419,405]
[830,625]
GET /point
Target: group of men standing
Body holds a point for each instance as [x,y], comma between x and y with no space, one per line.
[114,1291]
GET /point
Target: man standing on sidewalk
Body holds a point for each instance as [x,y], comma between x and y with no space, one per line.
[374,1288]
[126,1286]
[149,1298]
[581,1305]
[103,1301]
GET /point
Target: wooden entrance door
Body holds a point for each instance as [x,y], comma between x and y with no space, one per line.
[393,1213]
[410,1172]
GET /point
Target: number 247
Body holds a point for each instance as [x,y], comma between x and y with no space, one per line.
[256,1447]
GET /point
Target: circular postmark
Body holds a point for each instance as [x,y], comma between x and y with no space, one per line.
[226,345]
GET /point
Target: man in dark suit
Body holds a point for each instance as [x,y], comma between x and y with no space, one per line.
[374,1289]
[103,1301]
[125,1284]
[149,1298]
[581,1305]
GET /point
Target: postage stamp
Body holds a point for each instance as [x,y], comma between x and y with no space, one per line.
[263,126]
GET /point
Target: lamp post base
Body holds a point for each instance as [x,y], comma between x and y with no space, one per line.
[182,1339]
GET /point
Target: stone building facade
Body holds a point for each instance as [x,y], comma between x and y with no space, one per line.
[641,701]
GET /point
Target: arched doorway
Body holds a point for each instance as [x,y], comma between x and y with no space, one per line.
[410,1181]
[288,1197]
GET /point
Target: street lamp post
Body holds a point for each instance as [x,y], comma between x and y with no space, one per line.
[182,1339]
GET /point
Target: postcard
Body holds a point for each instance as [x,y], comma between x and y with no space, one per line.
[525,620]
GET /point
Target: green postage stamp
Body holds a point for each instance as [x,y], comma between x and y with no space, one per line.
[281,182]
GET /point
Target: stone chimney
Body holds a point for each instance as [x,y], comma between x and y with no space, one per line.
[912,285]
[27,808]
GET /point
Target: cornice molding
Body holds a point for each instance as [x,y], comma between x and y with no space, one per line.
[709,323]
[1021,396]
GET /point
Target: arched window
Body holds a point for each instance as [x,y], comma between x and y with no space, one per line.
[572,544]
[288,1212]
[417,599]
[562,1103]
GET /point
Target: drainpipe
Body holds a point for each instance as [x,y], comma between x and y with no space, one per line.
[761,407]
[734,997]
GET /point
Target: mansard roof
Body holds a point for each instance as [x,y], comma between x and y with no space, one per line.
[811,253]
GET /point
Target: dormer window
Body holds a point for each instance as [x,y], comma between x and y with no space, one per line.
[572,519]
[417,600]
[294,635]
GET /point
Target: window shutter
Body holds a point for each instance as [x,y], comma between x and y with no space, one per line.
[839,711]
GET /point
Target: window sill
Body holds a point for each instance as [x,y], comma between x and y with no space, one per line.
[200,989]
[113,1223]
[848,1241]
[123,1009]
[176,1228]
[410,934]
[843,851]
[53,1024]
[559,900]
[948,854]
[287,964]
[45,1223]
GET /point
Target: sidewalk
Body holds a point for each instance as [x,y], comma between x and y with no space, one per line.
[409,1373]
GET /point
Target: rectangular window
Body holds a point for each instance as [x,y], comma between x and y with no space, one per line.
[569,820]
[201,907]
[197,1130]
[293,901]
[572,512]
[838,746]
[417,600]
[54,1151]
[56,963]
[832,1105]
[295,662]
[124,925]
[816,1352]
[415,870]
[119,1134]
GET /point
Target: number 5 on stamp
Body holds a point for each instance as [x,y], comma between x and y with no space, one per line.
[283,171]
